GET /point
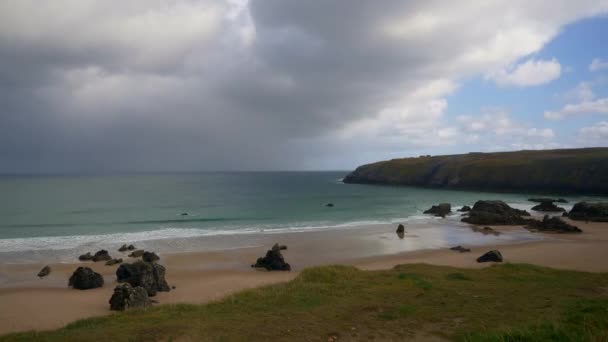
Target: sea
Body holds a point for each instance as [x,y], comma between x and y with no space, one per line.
[44,214]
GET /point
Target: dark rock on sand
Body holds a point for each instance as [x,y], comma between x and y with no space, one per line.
[584,211]
[130,247]
[495,213]
[548,206]
[102,255]
[112,262]
[46,270]
[460,249]
[440,210]
[123,248]
[85,278]
[149,275]
[485,230]
[184,214]
[465,209]
[491,256]
[273,261]
[126,296]
[136,254]
[552,224]
[150,257]
[400,229]
[85,257]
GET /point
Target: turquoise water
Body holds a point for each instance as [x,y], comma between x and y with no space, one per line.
[47,212]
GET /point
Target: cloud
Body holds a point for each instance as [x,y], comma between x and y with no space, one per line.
[597,133]
[529,73]
[598,64]
[266,84]
[598,106]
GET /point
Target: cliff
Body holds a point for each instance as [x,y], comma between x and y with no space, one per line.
[582,170]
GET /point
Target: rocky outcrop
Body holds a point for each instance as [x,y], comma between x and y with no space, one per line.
[149,275]
[45,271]
[123,248]
[548,205]
[273,261]
[460,249]
[495,213]
[113,262]
[584,211]
[440,210]
[126,296]
[86,257]
[150,257]
[491,256]
[85,278]
[552,225]
[465,209]
[101,255]
[136,254]
[568,170]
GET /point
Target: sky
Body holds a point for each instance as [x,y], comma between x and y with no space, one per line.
[183,85]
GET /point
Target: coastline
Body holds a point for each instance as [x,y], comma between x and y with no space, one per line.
[201,277]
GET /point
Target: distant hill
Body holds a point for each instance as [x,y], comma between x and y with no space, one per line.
[582,170]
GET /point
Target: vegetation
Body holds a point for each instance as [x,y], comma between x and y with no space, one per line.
[574,170]
[501,303]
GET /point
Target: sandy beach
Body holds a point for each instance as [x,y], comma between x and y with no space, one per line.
[31,303]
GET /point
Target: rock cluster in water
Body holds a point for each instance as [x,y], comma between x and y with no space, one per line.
[584,211]
[440,210]
[495,213]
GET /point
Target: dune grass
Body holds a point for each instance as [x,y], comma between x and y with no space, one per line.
[510,302]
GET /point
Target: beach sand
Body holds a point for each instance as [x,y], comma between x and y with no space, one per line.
[28,303]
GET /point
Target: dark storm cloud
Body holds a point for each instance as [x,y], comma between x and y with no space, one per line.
[273,84]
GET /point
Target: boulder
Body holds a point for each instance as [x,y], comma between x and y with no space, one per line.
[85,278]
[126,296]
[273,261]
[561,200]
[465,209]
[485,230]
[184,214]
[46,270]
[130,247]
[149,275]
[102,255]
[548,207]
[85,257]
[112,262]
[584,211]
[123,248]
[150,257]
[400,229]
[495,213]
[460,249]
[136,254]
[491,256]
[553,225]
[440,210]
[329,205]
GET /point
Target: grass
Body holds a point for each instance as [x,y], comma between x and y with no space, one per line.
[510,302]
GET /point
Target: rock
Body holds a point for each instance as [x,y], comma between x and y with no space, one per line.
[465,209]
[584,211]
[400,229]
[46,270]
[85,257]
[329,205]
[541,199]
[149,275]
[123,248]
[112,262]
[130,247]
[283,247]
[136,254]
[85,278]
[491,256]
[485,230]
[184,214]
[552,224]
[150,257]
[173,287]
[460,249]
[548,206]
[440,210]
[561,200]
[101,255]
[273,261]
[126,296]
[495,213]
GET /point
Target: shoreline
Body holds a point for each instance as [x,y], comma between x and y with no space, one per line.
[201,277]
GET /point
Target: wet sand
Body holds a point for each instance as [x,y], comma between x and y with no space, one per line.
[30,303]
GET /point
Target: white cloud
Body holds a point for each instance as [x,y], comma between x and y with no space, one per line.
[597,133]
[529,73]
[598,64]
[598,106]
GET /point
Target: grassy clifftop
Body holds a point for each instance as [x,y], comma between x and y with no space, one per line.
[573,170]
